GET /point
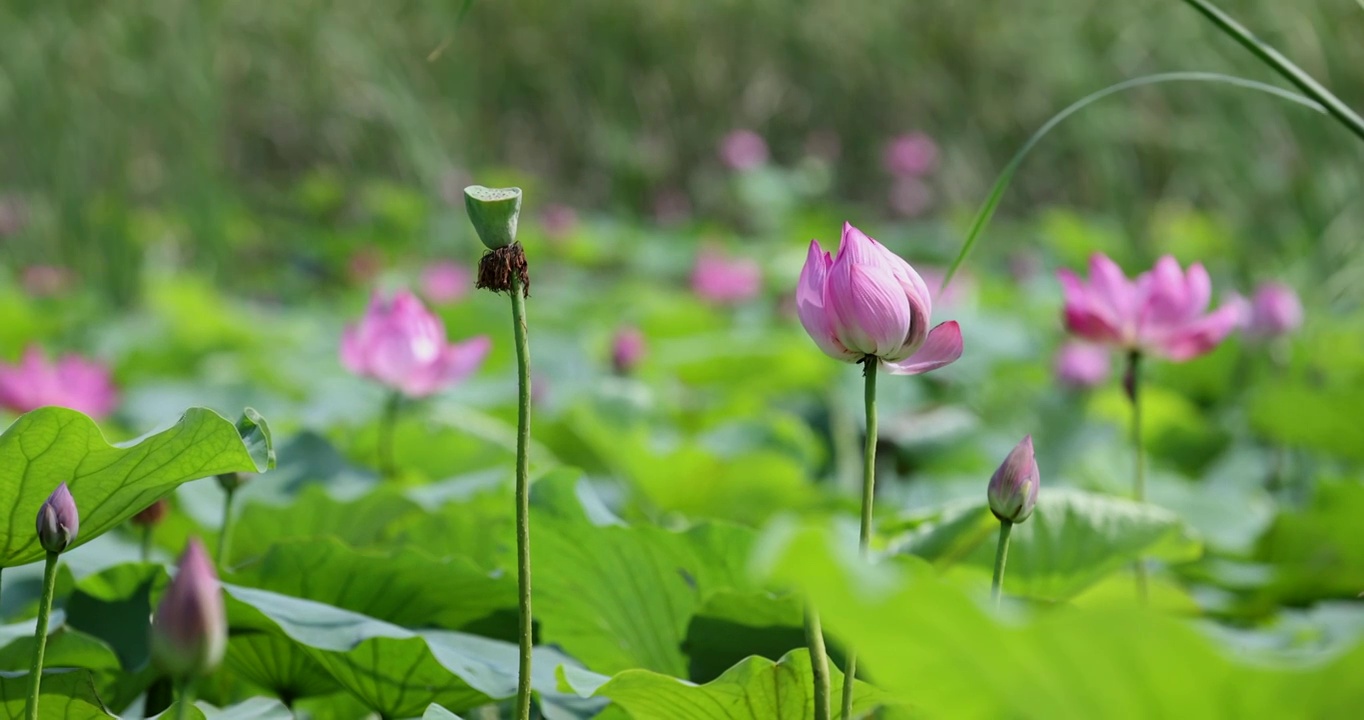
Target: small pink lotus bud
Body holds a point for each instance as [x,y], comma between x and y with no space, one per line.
[1082,365]
[743,150]
[58,521]
[1275,311]
[627,349]
[189,629]
[152,514]
[1013,487]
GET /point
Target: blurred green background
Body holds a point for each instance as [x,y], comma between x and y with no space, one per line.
[266,142]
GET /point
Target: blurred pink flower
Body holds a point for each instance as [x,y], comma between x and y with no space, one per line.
[909,197]
[962,287]
[1082,365]
[446,282]
[743,150]
[45,280]
[1162,312]
[189,628]
[911,155]
[627,349]
[402,345]
[724,280]
[671,207]
[559,221]
[72,382]
[1273,312]
[869,303]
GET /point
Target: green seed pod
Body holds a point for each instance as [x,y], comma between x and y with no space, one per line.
[494,213]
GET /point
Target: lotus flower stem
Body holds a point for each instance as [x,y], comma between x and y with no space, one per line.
[185,701]
[1001,555]
[1132,383]
[225,532]
[868,496]
[388,466]
[518,303]
[35,673]
[819,662]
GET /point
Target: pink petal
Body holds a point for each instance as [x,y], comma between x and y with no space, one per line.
[1110,293]
[870,311]
[810,307]
[461,359]
[943,347]
[352,353]
[1200,336]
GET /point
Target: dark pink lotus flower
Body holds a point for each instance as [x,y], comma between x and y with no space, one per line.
[1163,312]
[911,155]
[446,282]
[71,382]
[402,345]
[1013,487]
[1082,365]
[189,629]
[58,521]
[743,150]
[627,349]
[866,302]
[1273,312]
[725,280]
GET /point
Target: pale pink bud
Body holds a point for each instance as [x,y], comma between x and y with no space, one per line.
[402,345]
[1274,311]
[446,282]
[911,155]
[71,382]
[1163,312]
[869,303]
[743,150]
[627,349]
[189,629]
[725,280]
[1082,365]
[1013,487]
[58,521]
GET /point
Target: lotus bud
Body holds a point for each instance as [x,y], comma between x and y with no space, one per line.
[494,213]
[189,629]
[152,514]
[58,521]
[231,482]
[627,349]
[1013,488]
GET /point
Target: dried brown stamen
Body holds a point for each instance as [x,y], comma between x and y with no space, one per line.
[497,268]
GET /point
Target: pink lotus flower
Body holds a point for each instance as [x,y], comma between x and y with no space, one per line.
[1162,312]
[1082,365]
[1274,311]
[72,382]
[402,345]
[743,150]
[725,280]
[627,349]
[868,303]
[189,629]
[911,155]
[446,282]
[58,521]
[1013,488]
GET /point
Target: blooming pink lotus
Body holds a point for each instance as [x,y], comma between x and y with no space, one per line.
[866,303]
[725,280]
[402,345]
[446,282]
[1162,312]
[1082,365]
[71,382]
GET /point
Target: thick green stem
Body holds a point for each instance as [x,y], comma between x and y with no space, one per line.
[868,496]
[1001,556]
[35,673]
[225,532]
[388,464]
[186,700]
[1133,383]
[819,663]
[518,303]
